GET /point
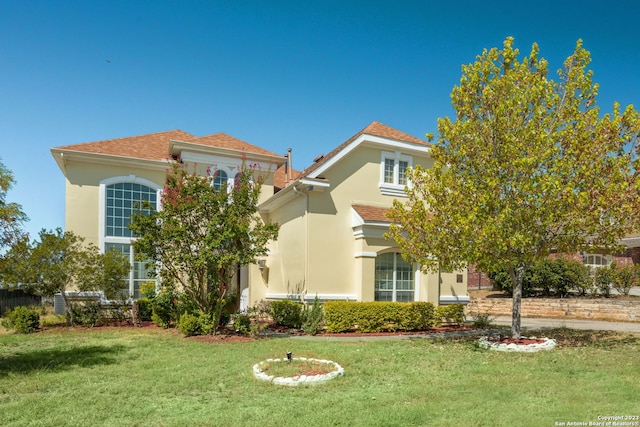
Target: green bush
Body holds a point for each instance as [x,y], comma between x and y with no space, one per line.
[451,314]
[148,289]
[189,324]
[343,316]
[242,324]
[313,318]
[550,277]
[145,306]
[87,314]
[24,320]
[164,308]
[286,313]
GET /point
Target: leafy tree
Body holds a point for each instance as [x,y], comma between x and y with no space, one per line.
[202,235]
[59,261]
[528,165]
[11,214]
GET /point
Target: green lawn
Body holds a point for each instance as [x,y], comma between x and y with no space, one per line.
[145,377]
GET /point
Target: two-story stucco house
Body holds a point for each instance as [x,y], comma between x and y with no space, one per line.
[331,215]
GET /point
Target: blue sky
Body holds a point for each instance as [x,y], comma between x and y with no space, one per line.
[277,74]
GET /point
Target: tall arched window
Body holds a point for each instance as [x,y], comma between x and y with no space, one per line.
[220,180]
[122,196]
[394,278]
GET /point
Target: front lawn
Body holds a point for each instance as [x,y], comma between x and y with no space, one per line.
[152,377]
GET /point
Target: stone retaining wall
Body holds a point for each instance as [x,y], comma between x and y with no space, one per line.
[596,309]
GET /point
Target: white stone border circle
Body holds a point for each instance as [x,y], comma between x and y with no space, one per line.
[548,344]
[302,379]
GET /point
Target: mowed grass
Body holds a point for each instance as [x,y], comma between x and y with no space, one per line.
[150,377]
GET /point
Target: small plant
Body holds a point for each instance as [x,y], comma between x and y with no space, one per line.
[286,313]
[24,320]
[164,308]
[313,318]
[482,320]
[148,289]
[189,325]
[242,324]
[146,308]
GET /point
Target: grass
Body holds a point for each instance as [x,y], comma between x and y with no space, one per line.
[150,377]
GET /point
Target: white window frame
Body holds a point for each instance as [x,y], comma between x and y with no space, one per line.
[103,239]
[416,275]
[394,188]
[593,267]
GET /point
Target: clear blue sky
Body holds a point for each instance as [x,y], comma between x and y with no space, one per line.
[277,74]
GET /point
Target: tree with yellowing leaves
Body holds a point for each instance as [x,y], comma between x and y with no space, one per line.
[528,166]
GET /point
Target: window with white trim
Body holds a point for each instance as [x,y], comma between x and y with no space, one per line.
[121,198]
[594,261]
[393,173]
[394,278]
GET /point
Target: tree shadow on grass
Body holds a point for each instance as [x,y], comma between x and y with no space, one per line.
[58,360]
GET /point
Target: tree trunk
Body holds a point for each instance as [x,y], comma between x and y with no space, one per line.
[517,277]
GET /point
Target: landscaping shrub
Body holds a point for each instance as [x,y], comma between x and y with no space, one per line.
[625,277]
[87,314]
[313,318]
[164,308]
[189,324]
[451,314]
[286,313]
[242,324]
[550,277]
[343,316]
[148,289]
[23,319]
[146,308]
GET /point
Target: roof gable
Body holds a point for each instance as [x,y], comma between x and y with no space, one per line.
[375,129]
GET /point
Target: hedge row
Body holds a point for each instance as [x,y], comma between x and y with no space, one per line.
[343,316]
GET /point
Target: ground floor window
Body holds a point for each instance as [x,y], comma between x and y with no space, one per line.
[394,278]
[595,261]
[139,272]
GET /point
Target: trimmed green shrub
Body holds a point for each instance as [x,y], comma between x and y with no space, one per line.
[189,325]
[242,324]
[146,308]
[313,318]
[451,314]
[286,313]
[343,316]
[24,320]
[164,308]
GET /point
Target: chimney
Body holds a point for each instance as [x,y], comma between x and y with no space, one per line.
[289,166]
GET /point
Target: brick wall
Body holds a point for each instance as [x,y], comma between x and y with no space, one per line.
[596,309]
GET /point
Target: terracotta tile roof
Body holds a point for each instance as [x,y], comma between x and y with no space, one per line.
[222,140]
[155,146]
[280,177]
[372,213]
[152,146]
[376,129]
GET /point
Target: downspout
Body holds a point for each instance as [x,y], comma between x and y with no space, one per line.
[306,235]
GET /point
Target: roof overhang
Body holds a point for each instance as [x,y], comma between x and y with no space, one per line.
[367,229]
[631,242]
[199,152]
[297,188]
[375,141]
[62,157]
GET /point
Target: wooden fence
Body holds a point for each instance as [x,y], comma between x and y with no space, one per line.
[12,299]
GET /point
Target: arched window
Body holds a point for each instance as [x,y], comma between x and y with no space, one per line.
[394,278]
[220,180]
[121,198]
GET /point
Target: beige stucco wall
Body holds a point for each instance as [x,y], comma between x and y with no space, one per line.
[338,264]
[83,191]
[83,194]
